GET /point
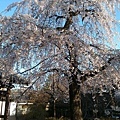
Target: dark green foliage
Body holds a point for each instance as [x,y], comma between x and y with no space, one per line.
[36,112]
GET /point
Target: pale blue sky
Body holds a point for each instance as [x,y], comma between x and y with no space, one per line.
[5,3]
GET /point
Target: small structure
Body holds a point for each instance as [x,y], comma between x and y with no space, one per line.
[4,96]
[15,109]
[6,84]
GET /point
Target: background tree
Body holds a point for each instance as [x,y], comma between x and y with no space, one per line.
[70,37]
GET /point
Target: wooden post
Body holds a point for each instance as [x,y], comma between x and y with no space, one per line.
[16,114]
[7,104]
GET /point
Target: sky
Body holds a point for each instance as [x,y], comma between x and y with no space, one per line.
[5,3]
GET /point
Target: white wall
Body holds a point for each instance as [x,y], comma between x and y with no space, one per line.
[2,108]
[12,109]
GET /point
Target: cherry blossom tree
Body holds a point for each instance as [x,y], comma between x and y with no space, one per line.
[72,38]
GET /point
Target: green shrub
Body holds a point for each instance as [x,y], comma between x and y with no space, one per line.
[36,112]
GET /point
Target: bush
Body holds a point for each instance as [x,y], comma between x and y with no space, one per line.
[36,112]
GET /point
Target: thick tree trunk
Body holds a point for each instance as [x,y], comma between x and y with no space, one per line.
[75,101]
[74,88]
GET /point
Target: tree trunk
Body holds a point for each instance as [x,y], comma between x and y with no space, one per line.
[74,88]
[75,101]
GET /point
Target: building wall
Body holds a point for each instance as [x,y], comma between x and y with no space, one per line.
[21,108]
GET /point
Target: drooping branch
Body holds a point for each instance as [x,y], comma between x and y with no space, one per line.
[69,19]
[94,73]
[85,76]
[28,88]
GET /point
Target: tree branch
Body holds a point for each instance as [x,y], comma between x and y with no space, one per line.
[69,20]
[94,73]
